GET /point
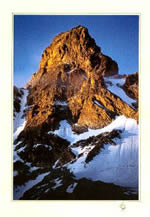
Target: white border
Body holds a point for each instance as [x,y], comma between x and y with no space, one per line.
[70,208]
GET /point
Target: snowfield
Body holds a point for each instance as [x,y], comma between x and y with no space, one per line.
[65,130]
[117,90]
[114,164]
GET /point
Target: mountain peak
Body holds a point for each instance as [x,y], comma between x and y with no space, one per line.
[75,30]
[71,50]
[75,117]
[70,79]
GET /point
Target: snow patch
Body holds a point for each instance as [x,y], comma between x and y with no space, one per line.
[15,173]
[43,145]
[64,131]
[34,168]
[16,157]
[19,129]
[55,164]
[98,103]
[71,187]
[20,149]
[47,190]
[57,183]
[63,103]
[70,71]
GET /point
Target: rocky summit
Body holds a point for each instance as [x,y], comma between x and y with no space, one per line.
[70,81]
[76,90]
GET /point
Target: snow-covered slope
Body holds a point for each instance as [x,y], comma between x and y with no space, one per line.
[19,122]
[114,164]
[114,85]
[117,164]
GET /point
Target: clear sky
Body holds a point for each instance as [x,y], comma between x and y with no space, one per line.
[117,35]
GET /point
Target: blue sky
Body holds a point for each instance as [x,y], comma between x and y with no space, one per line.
[117,35]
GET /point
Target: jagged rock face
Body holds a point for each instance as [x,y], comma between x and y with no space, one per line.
[131,87]
[69,85]
[74,50]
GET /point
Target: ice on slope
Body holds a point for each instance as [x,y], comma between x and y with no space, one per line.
[117,90]
[114,164]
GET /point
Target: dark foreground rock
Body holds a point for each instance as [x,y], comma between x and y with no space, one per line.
[84,189]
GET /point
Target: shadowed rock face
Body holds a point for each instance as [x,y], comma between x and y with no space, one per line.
[131,86]
[69,82]
[17,99]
